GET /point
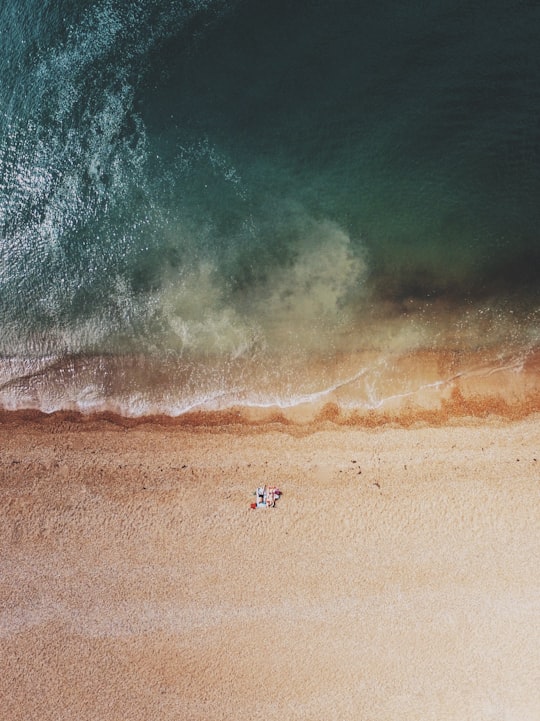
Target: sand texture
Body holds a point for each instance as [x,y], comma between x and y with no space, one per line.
[397,579]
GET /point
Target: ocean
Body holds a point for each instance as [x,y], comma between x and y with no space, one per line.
[207,204]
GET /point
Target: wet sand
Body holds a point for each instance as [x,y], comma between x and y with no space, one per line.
[397,578]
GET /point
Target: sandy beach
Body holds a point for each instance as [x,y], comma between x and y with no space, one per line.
[269,243]
[397,578]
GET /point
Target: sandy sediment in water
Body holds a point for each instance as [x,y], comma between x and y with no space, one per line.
[397,578]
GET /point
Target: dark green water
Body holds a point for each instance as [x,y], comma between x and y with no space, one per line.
[198,199]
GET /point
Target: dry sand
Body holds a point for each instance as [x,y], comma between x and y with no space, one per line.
[398,578]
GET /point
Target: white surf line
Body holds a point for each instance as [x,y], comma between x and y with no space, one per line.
[516,367]
[207,402]
[307,397]
[317,395]
[377,404]
[126,410]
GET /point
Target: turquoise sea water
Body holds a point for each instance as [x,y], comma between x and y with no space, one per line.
[201,199]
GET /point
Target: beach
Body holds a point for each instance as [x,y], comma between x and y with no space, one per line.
[283,244]
[397,578]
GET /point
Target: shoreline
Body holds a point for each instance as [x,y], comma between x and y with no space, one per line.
[454,410]
[351,389]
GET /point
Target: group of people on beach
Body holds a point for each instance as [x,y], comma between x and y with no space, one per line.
[266,497]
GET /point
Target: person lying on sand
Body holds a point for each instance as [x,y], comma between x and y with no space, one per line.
[266,497]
